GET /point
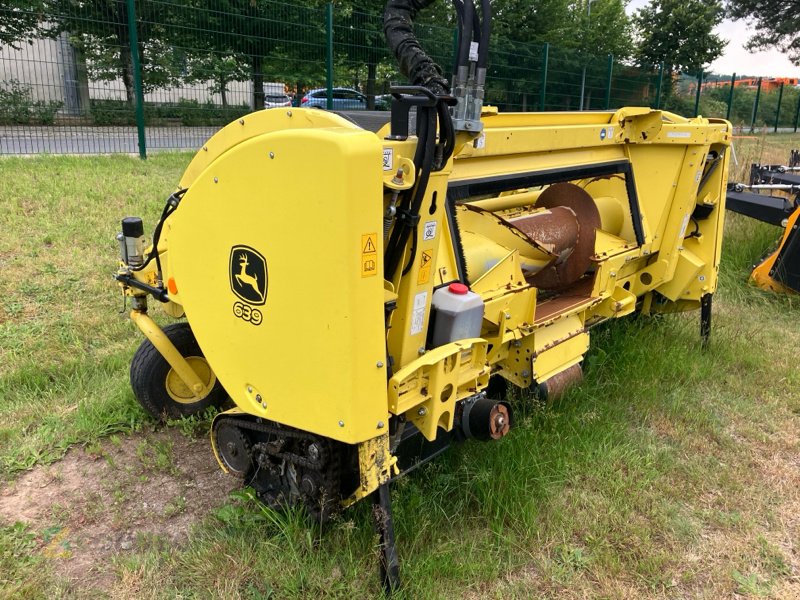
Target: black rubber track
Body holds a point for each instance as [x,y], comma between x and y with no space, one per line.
[149,372]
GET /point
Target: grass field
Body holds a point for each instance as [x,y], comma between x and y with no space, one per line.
[670,472]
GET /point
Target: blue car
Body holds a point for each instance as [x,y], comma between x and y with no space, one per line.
[343,99]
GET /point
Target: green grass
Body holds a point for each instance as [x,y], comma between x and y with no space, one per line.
[658,476]
[64,346]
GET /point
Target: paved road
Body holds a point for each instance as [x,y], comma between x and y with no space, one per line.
[107,140]
[99,140]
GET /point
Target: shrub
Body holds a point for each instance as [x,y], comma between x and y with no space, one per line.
[185,112]
[17,106]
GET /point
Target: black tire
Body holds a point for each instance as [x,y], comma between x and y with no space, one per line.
[149,373]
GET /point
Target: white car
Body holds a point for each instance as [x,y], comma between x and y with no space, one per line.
[276,100]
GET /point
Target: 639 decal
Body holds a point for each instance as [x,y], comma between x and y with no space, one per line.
[247,313]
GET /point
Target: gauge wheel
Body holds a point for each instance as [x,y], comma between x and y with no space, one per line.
[157,386]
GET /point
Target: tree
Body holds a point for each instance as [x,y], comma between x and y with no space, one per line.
[777,24]
[606,30]
[270,40]
[679,33]
[217,70]
[19,21]
[99,29]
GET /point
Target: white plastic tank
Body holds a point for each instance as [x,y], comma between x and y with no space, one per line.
[459,314]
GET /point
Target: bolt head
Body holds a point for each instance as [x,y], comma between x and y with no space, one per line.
[422,411]
[272,155]
[379,364]
[380,424]
[249,389]
[288,113]
[258,397]
[341,423]
[263,405]
[216,180]
[313,452]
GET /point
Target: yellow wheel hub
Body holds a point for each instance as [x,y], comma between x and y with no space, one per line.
[179,391]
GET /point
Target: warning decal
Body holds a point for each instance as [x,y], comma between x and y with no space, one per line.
[369,254]
[418,312]
[426,260]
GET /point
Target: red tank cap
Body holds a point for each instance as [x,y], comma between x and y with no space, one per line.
[458,288]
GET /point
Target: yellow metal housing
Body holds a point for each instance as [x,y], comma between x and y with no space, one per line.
[317,340]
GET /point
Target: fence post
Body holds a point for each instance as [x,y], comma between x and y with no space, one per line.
[797,114]
[133,41]
[543,90]
[778,110]
[730,98]
[658,85]
[329,54]
[608,81]
[697,96]
[755,106]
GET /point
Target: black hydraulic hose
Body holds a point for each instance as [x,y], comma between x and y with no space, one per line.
[422,186]
[486,30]
[476,24]
[394,247]
[459,6]
[169,208]
[398,27]
[466,34]
[447,133]
[409,216]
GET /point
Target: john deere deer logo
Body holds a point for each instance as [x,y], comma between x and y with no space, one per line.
[248,274]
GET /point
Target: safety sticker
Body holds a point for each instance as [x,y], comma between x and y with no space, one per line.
[388,159]
[369,254]
[426,260]
[418,313]
[480,142]
[603,134]
[684,225]
[679,134]
[474,50]
[429,232]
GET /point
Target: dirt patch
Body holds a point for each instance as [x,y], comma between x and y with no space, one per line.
[111,499]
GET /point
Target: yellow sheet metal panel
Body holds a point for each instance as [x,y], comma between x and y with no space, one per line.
[254,124]
[268,250]
[559,346]
[428,388]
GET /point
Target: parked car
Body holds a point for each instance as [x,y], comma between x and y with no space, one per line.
[343,99]
[274,100]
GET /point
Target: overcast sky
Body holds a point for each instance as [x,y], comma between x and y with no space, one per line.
[736,58]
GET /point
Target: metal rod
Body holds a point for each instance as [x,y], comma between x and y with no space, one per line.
[705,318]
[778,110]
[329,54]
[730,97]
[133,40]
[389,561]
[543,89]
[608,81]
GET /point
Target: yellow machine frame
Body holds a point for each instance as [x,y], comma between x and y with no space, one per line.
[307,189]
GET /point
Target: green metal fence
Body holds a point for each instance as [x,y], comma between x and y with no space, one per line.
[101,76]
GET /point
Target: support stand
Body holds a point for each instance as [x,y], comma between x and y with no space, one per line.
[705,319]
[389,562]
